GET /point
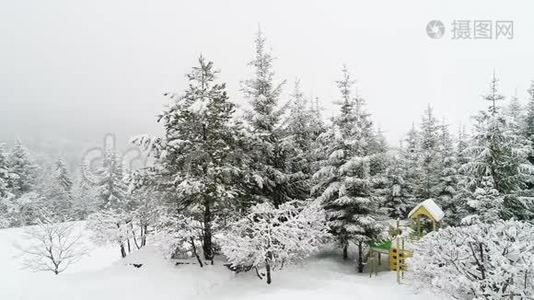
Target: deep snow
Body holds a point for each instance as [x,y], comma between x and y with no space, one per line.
[104,275]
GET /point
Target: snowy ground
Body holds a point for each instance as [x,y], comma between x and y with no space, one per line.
[103,275]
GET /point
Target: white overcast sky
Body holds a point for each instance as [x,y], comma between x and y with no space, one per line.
[78,69]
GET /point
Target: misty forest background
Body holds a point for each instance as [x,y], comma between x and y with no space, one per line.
[218,176]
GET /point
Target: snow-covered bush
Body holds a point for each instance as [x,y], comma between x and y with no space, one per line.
[51,246]
[107,226]
[179,236]
[481,261]
[270,237]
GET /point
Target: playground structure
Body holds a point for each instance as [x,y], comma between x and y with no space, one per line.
[424,217]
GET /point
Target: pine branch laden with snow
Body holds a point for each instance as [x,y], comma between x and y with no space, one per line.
[51,246]
[481,261]
[269,237]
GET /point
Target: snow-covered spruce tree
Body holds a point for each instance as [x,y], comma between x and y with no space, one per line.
[27,209]
[429,156]
[110,222]
[529,125]
[485,204]
[198,159]
[526,198]
[458,208]
[5,174]
[497,152]
[515,116]
[409,162]
[344,182]
[271,237]
[22,169]
[85,199]
[110,182]
[17,182]
[399,199]
[56,189]
[379,163]
[271,177]
[302,126]
[6,195]
[520,204]
[448,179]
[481,261]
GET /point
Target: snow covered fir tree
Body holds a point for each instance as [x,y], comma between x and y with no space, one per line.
[254,178]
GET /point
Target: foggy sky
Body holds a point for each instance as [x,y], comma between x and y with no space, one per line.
[76,70]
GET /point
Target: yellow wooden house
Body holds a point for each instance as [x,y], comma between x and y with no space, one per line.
[427,209]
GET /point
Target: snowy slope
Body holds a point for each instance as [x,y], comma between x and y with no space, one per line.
[103,275]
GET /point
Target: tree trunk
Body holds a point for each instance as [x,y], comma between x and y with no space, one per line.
[268,271]
[345,251]
[133,237]
[195,252]
[360,257]
[144,229]
[123,251]
[207,245]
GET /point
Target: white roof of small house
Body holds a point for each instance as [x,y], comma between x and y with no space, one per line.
[432,209]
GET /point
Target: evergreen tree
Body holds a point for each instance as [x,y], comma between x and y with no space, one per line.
[344,180]
[62,175]
[272,179]
[23,170]
[515,116]
[529,125]
[302,126]
[448,179]
[496,150]
[5,174]
[399,199]
[500,153]
[410,157]
[111,185]
[85,199]
[429,160]
[57,191]
[458,209]
[486,205]
[198,160]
